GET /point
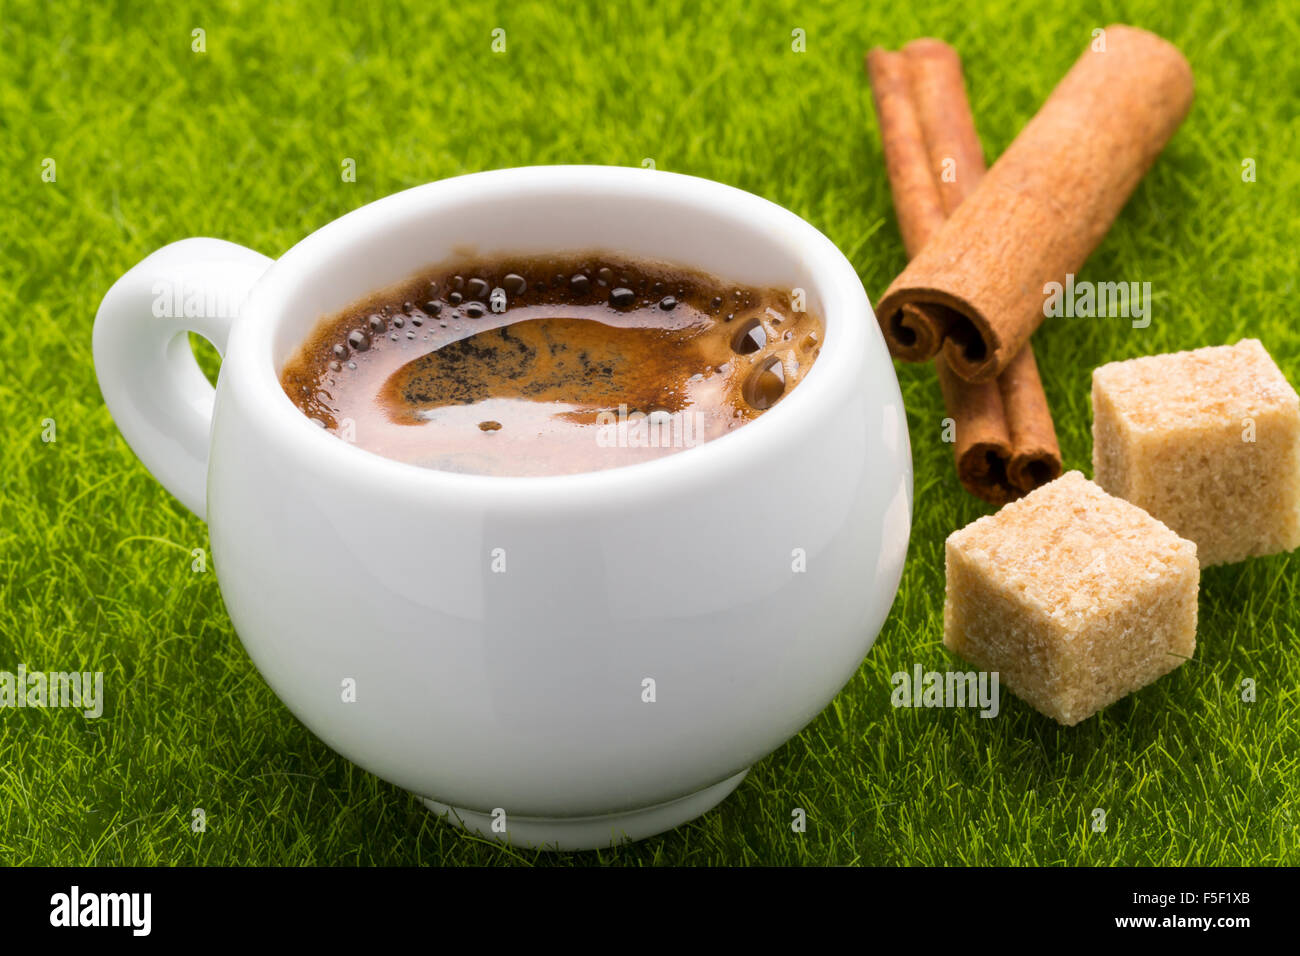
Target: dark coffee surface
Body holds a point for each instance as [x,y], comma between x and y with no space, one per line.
[536,366]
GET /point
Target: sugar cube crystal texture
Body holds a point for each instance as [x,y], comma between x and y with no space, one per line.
[1077,598]
[1208,441]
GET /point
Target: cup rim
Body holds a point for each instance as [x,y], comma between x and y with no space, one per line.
[851,329]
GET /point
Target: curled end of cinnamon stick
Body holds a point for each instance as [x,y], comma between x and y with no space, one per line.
[915,332]
[919,324]
[1028,470]
[972,348]
[982,469]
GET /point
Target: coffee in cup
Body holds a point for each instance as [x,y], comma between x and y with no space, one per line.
[551,365]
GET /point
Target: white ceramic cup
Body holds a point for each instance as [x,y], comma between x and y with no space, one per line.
[500,633]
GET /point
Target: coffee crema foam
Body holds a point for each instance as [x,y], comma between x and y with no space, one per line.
[550,365]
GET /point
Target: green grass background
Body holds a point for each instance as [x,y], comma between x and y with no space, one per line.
[154,143]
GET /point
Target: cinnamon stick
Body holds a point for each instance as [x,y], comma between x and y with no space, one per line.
[1005,441]
[976,289]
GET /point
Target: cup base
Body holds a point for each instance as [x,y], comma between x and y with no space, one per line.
[590,833]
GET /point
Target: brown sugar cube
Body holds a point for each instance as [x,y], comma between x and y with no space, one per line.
[1207,441]
[1074,597]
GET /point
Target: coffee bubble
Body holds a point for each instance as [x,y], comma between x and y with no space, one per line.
[765,384]
[751,338]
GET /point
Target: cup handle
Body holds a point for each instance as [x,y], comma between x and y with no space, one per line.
[150,380]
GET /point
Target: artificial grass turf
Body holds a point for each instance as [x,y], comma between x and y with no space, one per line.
[154,142]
